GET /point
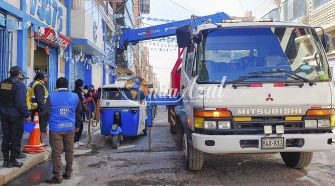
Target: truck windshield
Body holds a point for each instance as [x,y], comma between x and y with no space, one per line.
[119,94]
[237,53]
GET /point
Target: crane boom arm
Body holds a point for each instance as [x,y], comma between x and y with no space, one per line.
[164,30]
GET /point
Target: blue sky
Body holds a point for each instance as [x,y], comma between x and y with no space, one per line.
[170,9]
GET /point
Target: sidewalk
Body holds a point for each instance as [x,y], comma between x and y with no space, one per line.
[8,174]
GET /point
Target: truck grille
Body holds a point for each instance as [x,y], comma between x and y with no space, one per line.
[259,122]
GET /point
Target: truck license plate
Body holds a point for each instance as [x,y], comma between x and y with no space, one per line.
[272,143]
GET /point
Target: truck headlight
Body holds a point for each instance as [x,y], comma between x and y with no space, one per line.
[210,124]
[224,125]
[311,123]
[323,123]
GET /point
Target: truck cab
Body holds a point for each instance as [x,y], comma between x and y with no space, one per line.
[255,87]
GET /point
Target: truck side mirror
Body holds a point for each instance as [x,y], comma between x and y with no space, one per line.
[325,39]
[198,38]
[326,42]
[184,38]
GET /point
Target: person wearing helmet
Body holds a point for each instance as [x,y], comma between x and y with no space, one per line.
[39,93]
[13,110]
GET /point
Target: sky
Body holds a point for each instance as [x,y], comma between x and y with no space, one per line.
[163,62]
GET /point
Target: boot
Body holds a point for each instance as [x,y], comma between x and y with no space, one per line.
[67,175]
[54,180]
[13,161]
[6,162]
[21,155]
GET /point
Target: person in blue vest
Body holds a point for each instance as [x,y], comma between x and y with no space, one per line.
[65,109]
[13,111]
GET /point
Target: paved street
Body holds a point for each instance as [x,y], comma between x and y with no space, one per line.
[133,164]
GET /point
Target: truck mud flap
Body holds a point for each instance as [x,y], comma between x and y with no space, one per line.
[182,119]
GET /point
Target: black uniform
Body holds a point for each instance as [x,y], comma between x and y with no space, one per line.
[13,110]
[79,123]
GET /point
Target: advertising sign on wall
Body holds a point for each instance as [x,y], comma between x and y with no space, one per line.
[50,12]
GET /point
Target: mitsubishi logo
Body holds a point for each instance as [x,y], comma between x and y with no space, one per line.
[269,98]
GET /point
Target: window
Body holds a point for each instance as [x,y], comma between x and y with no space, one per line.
[145,6]
[6,52]
[189,60]
[273,14]
[318,3]
[232,54]
[294,9]
[119,94]
[62,2]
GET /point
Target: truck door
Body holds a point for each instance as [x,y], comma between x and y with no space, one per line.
[186,80]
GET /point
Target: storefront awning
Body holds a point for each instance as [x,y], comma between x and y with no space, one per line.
[86,46]
[54,38]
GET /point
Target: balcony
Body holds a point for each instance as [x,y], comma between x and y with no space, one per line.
[323,16]
[86,28]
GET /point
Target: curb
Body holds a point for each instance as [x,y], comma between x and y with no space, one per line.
[8,174]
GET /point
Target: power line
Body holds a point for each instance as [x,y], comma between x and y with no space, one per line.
[190,6]
[181,6]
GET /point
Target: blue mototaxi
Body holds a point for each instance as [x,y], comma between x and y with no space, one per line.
[123,112]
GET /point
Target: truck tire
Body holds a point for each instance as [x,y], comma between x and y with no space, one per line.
[194,158]
[297,160]
[116,141]
[179,136]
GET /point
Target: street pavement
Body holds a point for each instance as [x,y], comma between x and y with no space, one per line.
[133,164]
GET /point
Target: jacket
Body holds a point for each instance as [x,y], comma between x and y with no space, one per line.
[19,107]
[65,109]
[38,94]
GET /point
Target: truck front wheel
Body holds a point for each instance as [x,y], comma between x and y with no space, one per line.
[194,158]
[297,160]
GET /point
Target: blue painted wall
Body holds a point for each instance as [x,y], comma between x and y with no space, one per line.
[88,74]
[68,5]
[53,69]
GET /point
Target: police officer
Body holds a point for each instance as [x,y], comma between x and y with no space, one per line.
[65,117]
[39,93]
[13,110]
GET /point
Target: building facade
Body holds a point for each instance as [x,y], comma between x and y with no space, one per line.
[93,47]
[35,36]
[65,38]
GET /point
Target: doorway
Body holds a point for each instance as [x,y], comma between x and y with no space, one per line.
[41,60]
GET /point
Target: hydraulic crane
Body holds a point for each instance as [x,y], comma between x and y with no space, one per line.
[133,36]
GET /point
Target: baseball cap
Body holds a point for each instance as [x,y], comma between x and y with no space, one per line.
[41,75]
[15,70]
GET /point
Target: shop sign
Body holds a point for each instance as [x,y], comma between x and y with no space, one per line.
[49,12]
[53,38]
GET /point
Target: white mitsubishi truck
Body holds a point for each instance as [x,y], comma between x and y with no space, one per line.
[255,87]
